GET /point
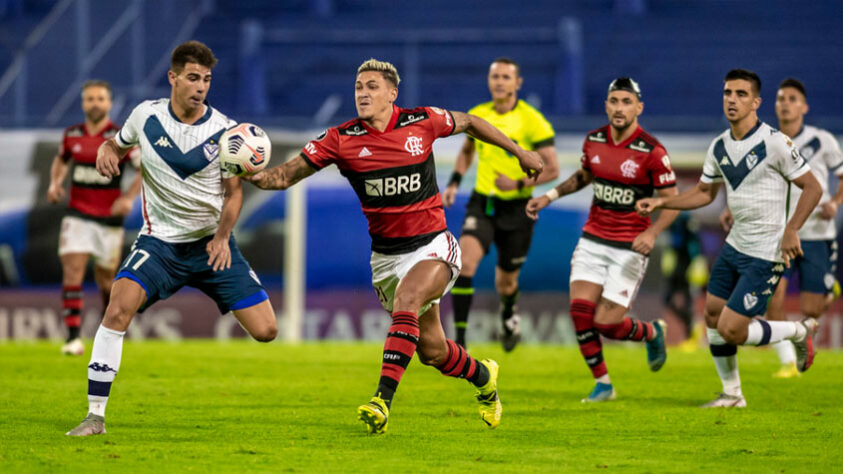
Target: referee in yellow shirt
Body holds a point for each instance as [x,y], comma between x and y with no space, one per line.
[496,210]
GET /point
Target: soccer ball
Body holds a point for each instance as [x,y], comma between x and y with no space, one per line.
[244,149]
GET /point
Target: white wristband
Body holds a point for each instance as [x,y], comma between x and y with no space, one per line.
[553,194]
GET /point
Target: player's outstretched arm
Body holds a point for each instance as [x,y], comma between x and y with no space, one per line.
[700,195]
[811,194]
[58,172]
[109,155]
[282,176]
[464,159]
[580,179]
[530,161]
[645,241]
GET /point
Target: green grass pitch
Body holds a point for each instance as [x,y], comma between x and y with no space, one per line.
[204,406]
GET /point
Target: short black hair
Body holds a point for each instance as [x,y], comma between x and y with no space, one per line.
[794,83]
[192,52]
[98,83]
[746,75]
[505,60]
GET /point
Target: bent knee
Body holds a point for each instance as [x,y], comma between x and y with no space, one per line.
[266,333]
[433,358]
[732,336]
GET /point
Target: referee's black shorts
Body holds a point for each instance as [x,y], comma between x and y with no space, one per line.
[503,222]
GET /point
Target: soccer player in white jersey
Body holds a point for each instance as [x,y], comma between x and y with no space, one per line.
[816,267]
[757,163]
[190,206]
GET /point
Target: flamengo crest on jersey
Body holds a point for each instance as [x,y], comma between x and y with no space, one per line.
[182,190]
[623,173]
[757,171]
[392,172]
[822,152]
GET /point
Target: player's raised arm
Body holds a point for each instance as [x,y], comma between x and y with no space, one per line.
[580,179]
[530,161]
[463,163]
[109,155]
[282,176]
[700,195]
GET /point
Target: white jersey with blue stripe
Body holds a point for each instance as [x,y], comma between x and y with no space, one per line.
[182,191]
[757,171]
[822,152]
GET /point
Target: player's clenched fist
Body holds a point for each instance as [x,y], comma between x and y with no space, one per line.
[531,162]
[535,205]
[108,163]
[646,206]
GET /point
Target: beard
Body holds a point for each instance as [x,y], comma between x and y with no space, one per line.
[623,127]
[95,115]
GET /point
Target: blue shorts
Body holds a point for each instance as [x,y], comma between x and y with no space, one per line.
[816,267]
[746,283]
[162,268]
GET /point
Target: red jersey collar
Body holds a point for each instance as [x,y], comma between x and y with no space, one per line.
[625,142]
[108,126]
[389,126]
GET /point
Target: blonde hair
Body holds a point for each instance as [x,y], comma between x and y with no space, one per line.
[386,69]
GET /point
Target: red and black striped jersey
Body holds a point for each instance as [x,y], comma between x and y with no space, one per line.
[392,172]
[623,173]
[91,194]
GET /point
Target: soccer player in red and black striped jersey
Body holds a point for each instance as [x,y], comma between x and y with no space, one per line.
[93,226]
[624,163]
[386,155]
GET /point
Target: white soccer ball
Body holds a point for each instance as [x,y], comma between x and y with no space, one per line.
[244,149]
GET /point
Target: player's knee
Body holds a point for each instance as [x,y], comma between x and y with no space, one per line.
[732,335]
[433,356]
[266,333]
[411,301]
[117,316]
[506,286]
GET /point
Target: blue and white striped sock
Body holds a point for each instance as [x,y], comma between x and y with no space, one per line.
[105,362]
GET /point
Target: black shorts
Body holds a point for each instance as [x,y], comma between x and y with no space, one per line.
[503,222]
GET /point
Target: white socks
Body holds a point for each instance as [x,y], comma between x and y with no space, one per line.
[105,362]
[761,332]
[726,361]
[786,352]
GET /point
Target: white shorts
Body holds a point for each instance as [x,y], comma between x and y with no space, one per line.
[618,271]
[388,270]
[102,242]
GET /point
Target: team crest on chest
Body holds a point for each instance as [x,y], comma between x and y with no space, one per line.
[414,145]
[211,150]
[77,148]
[629,168]
[751,160]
